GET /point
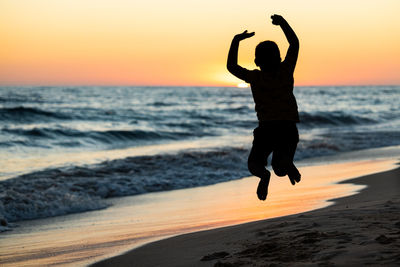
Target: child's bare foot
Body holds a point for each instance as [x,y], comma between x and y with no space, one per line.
[262,189]
[294,175]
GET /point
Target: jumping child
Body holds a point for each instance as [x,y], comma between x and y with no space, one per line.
[275,105]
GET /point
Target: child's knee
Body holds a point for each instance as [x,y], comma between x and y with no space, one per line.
[280,167]
[279,171]
[255,167]
[252,166]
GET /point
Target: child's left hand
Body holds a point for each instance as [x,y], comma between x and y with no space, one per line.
[244,35]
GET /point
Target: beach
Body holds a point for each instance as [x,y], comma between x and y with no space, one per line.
[358,230]
[85,238]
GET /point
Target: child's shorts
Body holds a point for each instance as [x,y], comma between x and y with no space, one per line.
[278,137]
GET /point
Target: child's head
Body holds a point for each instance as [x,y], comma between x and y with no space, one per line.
[268,56]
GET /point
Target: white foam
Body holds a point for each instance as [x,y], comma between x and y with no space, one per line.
[62,191]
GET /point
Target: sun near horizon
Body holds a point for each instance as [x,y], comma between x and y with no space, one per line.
[104,42]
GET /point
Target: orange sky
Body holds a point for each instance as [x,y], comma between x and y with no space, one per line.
[157,42]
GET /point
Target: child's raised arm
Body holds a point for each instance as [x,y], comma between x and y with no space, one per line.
[232,63]
[293,51]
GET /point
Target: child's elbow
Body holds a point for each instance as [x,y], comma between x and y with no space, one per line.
[295,43]
[231,67]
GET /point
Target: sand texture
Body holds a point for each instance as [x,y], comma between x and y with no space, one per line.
[359,230]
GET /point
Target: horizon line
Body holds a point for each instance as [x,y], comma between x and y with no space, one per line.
[160,85]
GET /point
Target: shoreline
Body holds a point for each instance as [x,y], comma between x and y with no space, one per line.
[360,229]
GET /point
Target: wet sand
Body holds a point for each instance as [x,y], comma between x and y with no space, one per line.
[358,230]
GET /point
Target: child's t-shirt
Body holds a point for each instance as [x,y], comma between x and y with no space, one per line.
[273,93]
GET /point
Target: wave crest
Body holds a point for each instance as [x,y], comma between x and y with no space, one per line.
[27,114]
[332,118]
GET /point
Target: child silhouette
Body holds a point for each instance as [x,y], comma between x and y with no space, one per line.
[275,105]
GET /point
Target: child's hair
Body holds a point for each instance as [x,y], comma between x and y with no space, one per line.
[268,56]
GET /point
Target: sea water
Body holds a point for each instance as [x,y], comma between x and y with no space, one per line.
[68,149]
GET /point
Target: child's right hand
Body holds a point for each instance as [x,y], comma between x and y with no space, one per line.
[277,19]
[244,35]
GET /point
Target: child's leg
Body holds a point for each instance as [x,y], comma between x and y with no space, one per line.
[284,150]
[257,167]
[293,172]
[282,163]
[257,161]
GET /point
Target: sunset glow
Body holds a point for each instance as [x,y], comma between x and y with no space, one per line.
[243,85]
[120,42]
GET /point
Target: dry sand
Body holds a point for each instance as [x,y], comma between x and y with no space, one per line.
[360,230]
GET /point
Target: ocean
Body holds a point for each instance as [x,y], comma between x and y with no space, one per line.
[69,149]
